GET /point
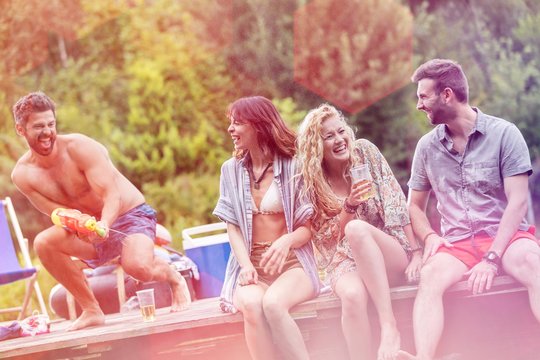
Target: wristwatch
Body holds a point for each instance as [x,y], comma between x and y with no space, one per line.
[493,258]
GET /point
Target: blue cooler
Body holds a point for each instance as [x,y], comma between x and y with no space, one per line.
[208,246]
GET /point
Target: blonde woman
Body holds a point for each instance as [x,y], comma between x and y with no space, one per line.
[272,267]
[364,245]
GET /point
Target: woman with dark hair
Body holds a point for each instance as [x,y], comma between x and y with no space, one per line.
[272,267]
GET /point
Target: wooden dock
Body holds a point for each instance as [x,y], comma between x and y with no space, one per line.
[496,326]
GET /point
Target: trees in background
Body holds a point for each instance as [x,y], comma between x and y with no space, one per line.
[138,79]
[495,42]
[152,80]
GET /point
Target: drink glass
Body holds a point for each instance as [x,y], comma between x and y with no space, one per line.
[147,304]
[360,174]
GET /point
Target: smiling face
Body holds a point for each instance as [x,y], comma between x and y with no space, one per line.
[39,132]
[336,140]
[243,134]
[432,103]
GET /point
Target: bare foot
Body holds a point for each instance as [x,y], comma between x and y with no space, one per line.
[403,355]
[181,299]
[390,342]
[88,318]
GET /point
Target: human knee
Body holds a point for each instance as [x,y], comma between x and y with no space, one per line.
[353,301]
[273,308]
[357,233]
[251,307]
[42,244]
[528,268]
[429,278]
[139,271]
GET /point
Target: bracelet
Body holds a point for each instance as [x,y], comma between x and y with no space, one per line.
[428,235]
[349,209]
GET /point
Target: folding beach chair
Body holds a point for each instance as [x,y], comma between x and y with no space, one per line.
[10,268]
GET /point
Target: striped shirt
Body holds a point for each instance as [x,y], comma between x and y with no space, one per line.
[235,206]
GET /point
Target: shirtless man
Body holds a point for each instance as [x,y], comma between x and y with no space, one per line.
[74,171]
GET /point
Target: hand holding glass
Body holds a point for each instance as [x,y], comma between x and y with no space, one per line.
[147,304]
[360,174]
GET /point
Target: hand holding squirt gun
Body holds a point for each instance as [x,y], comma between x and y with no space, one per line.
[86,226]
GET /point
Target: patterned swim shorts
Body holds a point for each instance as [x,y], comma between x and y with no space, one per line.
[139,220]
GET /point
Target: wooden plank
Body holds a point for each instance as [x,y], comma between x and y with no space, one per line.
[204,331]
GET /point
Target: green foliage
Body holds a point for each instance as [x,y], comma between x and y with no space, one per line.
[13,294]
[184,201]
[137,83]
[362,40]
[151,80]
[289,111]
[498,48]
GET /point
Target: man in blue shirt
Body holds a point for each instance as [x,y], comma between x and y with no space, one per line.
[477,167]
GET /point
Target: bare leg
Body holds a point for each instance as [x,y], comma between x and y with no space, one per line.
[377,254]
[522,261]
[248,299]
[290,288]
[138,260]
[354,320]
[438,274]
[55,246]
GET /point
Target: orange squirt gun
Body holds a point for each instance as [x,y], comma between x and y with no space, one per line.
[75,220]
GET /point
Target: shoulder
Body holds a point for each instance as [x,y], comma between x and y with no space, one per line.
[287,162]
[76,141]
[230,168]
[494,122]
[428,138]
[365,145]
[287,167]
[368,151]
[496,126]
[230,164]
[18,174]
[79,145]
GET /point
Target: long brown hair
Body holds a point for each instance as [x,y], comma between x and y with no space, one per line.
[273,135]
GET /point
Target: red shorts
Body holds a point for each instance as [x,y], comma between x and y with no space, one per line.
[470,253]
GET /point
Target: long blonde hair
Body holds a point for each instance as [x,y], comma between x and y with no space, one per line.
[310,156]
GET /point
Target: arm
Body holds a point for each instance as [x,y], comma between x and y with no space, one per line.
[516,189]
[101,175]
[274,258]
[40,202]
[417,203]
[248,274]
[412,272]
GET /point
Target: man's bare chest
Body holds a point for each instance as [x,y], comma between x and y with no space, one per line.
[62,181]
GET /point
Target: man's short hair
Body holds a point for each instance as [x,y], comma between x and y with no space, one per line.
[447,74]
[32,103]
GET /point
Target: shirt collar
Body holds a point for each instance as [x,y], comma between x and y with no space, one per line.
[481,121]
[480,126]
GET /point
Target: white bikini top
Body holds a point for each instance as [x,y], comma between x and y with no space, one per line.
[271,202]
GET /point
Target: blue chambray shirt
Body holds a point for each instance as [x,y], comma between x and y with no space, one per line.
[469,187]
[235,206]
